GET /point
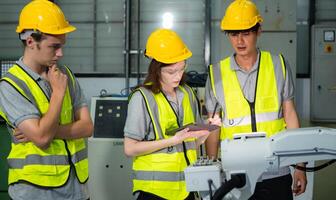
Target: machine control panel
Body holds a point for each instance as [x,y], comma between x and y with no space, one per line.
[109,116]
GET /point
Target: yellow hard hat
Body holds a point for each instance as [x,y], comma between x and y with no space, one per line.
[43,16]
[166,46]
[241,15]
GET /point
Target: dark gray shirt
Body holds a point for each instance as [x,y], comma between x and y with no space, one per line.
[18,109]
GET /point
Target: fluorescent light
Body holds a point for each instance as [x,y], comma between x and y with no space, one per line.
[167,20]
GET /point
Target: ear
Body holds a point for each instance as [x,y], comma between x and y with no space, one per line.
[30,42]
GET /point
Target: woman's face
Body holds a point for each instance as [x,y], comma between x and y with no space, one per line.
[171,75]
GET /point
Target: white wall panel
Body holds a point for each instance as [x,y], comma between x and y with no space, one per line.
[183,10]
[78,10]
[188,23]
[108,10]
[10,45]
[78,50]
[10,9]
[110,46]
[98,43]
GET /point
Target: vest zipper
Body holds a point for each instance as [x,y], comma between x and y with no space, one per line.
[69,156]
[252,104]
[253,117]
[185,153]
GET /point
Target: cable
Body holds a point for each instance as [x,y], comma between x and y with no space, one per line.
[126,91]
[314,169]
[210,182]
[236,181]
[103,92]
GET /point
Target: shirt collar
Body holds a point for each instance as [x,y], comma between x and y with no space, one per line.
[30,72]
[179,95]
[236,67]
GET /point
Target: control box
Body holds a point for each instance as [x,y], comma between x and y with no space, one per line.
[323,82]
[203,174]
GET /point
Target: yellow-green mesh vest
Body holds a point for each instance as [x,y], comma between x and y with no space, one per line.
[161,172]
[237,112]
[49,167]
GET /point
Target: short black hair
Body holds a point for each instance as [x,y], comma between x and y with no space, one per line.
[254,28]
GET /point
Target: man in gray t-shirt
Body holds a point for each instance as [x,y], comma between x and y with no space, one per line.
[254,91]
[46,111]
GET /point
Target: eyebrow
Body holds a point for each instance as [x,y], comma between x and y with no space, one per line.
[58,45]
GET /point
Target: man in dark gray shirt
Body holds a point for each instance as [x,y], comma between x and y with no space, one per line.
[46,110]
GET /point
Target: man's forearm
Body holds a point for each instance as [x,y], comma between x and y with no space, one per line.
[42,131]
[211,144]
[75,130]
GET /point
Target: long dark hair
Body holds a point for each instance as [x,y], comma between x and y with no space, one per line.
[152,81]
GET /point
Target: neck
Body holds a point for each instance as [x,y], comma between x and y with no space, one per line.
[28,61]
[246,62]
[169,91]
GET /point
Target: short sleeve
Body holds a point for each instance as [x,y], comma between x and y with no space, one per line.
[210,99]
[288,92]
[137,120]
[16,107]
[78,96]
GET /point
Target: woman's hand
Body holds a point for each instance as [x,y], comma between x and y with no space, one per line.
[185,134]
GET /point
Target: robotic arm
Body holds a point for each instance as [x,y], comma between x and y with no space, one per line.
[246,157]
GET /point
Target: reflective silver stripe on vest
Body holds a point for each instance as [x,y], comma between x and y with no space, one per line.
[159,176]
[71,84]
[260,117]
[34,159]
[178,148]
[217,79]
[79,156]
[23,86]
[153,107]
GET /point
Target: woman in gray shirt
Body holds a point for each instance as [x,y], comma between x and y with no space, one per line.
[158,107]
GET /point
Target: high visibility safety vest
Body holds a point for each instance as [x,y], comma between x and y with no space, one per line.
[44,167]
[162,172]
[240,115]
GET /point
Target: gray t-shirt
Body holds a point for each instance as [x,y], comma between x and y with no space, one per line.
[247,81]
[138,124]
[18,109]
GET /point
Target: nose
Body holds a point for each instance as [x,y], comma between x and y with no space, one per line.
[179,75]
[59,52]
[240,38]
